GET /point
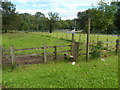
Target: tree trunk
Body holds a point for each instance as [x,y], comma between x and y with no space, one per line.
[5,31]
[50,29]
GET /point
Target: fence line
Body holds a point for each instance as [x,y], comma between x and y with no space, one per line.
[74,50]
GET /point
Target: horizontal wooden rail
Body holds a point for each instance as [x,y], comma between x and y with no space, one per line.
[111,46]
[110,42]
[82,49]
[50,47]
[36,54]
[64,51]
[36,48]
[28,55]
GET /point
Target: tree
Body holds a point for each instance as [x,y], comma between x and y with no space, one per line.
[53,18]
[66,24]
[26,22]
[83,18]
[40,21]
[106,15]
[9,16]
[102,17]
[117,18]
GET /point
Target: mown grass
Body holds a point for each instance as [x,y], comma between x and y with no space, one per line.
[91,74]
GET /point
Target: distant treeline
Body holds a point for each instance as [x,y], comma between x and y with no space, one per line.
[105,18]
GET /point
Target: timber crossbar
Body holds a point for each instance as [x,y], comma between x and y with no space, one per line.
[36,48]
[46,55]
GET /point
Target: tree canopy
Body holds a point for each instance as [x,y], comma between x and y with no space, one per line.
[105,19]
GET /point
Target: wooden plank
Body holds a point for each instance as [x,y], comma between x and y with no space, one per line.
[111,46]
[110,42]
[45,57]
[105,51]
[64,51]
[113,50]
[36,48]
[71,48]
[79,37]
[82,49]
[107,43]
[88,37]
[76,50]
[55,52]
[86,44]
[63,46]
[28,49]
[68,56]
[1,54]
[6,50]
[36,54]
[12,54]
[117,46]
[72,37]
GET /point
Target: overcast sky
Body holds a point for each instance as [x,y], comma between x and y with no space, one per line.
[67,9]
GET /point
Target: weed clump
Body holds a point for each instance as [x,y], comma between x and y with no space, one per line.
[96,49]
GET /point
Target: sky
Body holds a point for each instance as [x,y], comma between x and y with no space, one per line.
[67,9]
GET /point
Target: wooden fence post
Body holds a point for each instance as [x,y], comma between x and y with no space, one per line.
[12,54]
[79,37]
[88,37]
[55,52]
[66,36]
[62,36]
[72,37]
[45,57]
[98,38]
[57,35]
[117,46]
[107,43]
[1,54]
[75,50]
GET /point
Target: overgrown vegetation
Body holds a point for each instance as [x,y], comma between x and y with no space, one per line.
[96,50]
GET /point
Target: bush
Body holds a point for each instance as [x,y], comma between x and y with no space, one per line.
[96,50]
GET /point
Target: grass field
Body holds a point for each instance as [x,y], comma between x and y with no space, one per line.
[80,37]
[93,74]
[34,40]
[31,40]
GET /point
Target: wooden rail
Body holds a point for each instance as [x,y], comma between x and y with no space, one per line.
[74,51]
